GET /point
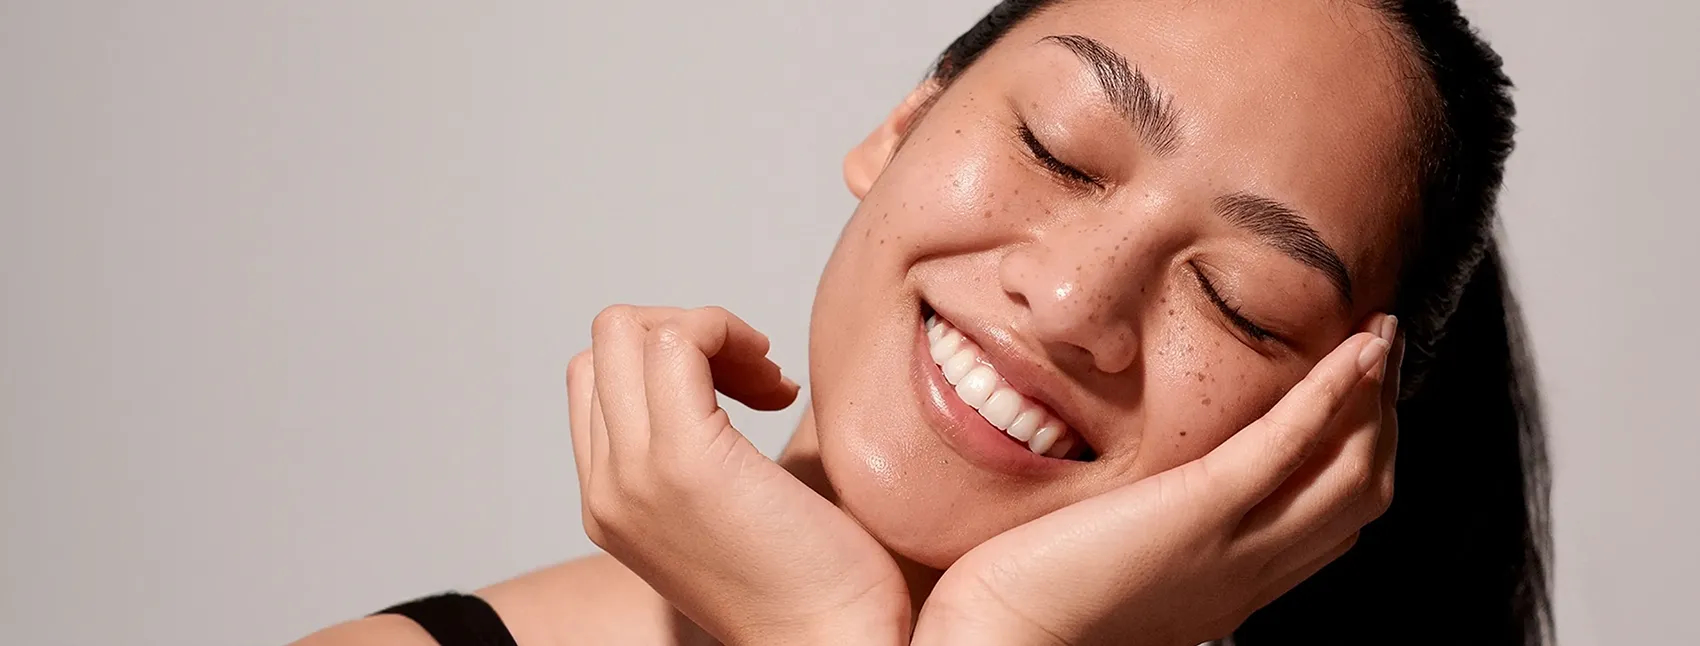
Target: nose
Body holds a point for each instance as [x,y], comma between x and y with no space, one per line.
[1083,288]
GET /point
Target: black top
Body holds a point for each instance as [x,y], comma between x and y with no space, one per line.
[455,619]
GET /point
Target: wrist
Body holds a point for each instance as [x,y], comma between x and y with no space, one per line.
[882,623]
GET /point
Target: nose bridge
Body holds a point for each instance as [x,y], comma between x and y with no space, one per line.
[1083,281]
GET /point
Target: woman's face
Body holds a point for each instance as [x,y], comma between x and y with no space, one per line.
[1144,257]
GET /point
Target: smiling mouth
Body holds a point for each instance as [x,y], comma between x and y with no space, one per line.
[977,383]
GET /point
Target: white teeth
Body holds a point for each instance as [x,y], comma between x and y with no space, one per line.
[958,365]
[1002,408]
[1025,425]
[1061,448]
[946,345]
[1046,436]
[980,386]
[977,386]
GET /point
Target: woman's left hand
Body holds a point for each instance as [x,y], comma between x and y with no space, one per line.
[1185,556]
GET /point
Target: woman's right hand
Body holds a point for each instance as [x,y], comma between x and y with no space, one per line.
[674,492]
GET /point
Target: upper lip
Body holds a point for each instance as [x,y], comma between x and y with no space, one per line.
[1033,378]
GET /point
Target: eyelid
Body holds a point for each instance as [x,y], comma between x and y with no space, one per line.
[1256,332]
[1043,156]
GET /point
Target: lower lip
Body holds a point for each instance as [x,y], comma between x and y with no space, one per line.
[965,431]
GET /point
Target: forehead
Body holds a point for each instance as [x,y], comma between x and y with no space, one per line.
[1304,101]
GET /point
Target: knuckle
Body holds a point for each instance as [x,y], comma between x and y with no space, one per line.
[595,533]
[666,338]
[1286,440]
[598,509]
[613,318]
[1359,480]
[1383,495]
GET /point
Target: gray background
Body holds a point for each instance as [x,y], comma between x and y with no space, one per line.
[289,286]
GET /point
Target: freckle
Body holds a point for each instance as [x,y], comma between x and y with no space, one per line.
[1206,401]
[1124,238]
[1077,268]
[923,208]
[1200,377]
[1183,433]
[959,131]
[882,240]
[988,213]
[1164,300]
[1018,192]
[885,216]
[1171,311]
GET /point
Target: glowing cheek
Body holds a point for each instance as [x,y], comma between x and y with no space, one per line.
[966,192]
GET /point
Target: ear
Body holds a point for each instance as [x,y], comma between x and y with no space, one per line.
[868,159]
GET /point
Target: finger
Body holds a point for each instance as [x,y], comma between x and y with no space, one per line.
[690,355]
[1255,461]
[598,436]
[581,391]
[1387,447]
[1337,475]
[1337,492]
[1335,480]
[617,337]
[598,472]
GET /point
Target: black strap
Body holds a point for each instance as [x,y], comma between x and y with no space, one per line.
[455,619]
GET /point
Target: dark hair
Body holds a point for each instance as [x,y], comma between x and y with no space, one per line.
[1461,557]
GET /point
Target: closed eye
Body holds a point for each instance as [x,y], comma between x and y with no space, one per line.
[1232,313]
[1057,167]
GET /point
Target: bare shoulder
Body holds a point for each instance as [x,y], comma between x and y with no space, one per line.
[593,600]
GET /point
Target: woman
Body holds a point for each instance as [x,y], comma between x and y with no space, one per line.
[1104,355]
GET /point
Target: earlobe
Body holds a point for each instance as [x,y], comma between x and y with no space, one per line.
[868,159]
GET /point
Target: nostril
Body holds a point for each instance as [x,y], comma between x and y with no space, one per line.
[1018,298]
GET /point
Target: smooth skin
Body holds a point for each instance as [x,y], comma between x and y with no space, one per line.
[1230,465]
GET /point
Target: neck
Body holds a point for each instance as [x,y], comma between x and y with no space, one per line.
[802,458]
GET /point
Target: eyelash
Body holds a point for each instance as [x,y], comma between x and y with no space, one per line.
[1251,329]
[1056,166]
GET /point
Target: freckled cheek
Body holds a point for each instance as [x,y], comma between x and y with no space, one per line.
[951,193]
[1202,388]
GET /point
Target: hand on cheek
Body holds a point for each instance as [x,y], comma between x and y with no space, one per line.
[1185,556]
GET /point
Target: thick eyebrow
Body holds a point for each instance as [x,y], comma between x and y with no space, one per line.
[1283,228]
[1152,113]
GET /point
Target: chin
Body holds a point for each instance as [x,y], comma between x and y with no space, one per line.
[909,457]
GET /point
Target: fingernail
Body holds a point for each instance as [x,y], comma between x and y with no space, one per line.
[788,383]
[1390,328]
[1372,353]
